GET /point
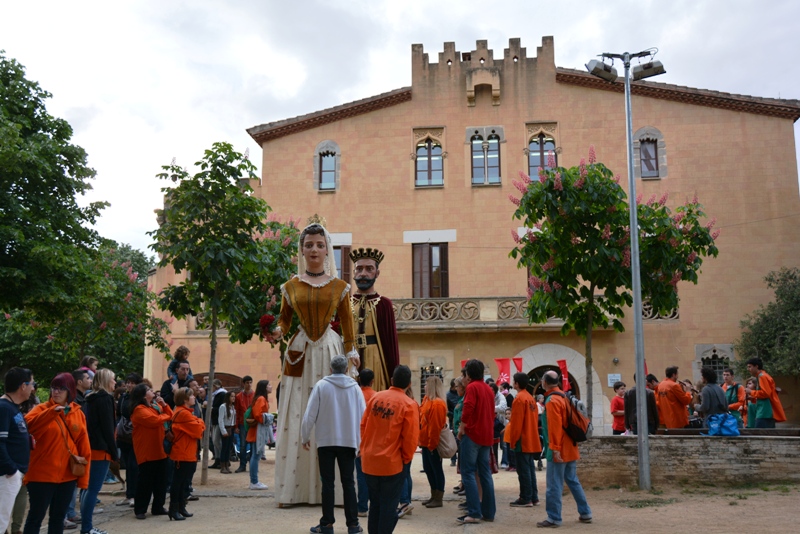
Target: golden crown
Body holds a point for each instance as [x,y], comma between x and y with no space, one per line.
[367,253]
[316,219]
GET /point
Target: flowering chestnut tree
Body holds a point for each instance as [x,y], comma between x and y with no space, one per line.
[217,231]
[577,249]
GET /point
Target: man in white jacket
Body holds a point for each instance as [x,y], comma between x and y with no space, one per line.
[335,408]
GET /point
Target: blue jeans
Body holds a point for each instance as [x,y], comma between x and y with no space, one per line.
[363,489]
[385,493]
[243,446]
[254,459]
[475,458]
[557,474]
[71,508]
[97,475]
[526,473]
[432,464]
[408,485]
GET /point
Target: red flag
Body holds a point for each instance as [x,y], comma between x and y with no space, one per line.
[503,370]
[562,365]
[518,364]
[463,364]
[645,368]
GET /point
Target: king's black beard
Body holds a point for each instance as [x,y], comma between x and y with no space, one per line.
[365,283]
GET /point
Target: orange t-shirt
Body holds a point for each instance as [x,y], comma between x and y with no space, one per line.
[673,404]
[368,393]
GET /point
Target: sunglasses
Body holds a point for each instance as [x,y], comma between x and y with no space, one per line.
[31,383]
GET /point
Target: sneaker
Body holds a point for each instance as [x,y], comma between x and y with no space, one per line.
[362,514]
[96,531]
[98,511]
[70,525]
[192,497]
[467,520]
[125,502]
[241,469]
[547,524]
[75,518]
[355,530]
[405,509]
[258,486]
[462,493]
[585,519]
[535,502]
[519,503]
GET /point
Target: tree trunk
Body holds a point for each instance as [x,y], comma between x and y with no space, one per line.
[589,381]
[209,398]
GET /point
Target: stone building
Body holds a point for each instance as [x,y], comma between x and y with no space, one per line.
[424,173]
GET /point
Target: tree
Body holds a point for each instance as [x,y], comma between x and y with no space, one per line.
[577,249]
[45,236]
[217,231]
[772,332]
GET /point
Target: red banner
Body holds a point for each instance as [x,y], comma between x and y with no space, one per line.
[518,364]
[463,364]
[645,368]
[503,370]
[562,364]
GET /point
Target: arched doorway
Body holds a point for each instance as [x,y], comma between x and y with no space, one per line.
[536,379]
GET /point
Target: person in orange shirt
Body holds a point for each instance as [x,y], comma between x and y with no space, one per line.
[187,429]
[243,401]
[673,399]
[562,455]
[365,378]
[257,430]
[768,407]
[432,418]
[148,444]
[734,395]
[59,428]
[389,437]
[522,433]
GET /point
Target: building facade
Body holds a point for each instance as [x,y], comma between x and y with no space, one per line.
[424,174]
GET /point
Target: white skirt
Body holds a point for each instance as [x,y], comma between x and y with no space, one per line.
[297,478]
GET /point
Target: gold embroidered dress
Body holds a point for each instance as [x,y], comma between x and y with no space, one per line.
[307,360]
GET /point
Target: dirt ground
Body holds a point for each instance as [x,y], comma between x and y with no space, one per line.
[226,505]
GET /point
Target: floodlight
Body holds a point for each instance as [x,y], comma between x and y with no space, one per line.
[654,68]
[602,70]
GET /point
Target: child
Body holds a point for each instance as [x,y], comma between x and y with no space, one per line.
[181,355]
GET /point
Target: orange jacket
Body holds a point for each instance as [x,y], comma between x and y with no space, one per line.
[432,418]
[259,409]
[50,459]
[148,433]
[368,393]
[524,424]
[187,429]
[556,412]
[766,390]
[672,404]
[389,432]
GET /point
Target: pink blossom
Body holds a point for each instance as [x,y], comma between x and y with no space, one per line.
[129,327]
[607,232]
[575,240]
[715,234]
[542,175]
[556,285]
[522,188]
[514,200]
[106,275]
[139,328]
[675,279]
[673,242]
[170,343]
[592,155]
[549,264]
[694,199]
[532,236]
[294,260]
[546,287]
[639,198]
[8,316]
[103,325]
[525,178]
[651,200]
[612,209]
[678,217]
[534,282]
[691,258]
[557,184]
[238,283]
[538,226]
[50,338]
[711,223]
[663,199]
[616,178]
[579,183]
[515,236]
[584,172]
[626,257]
[114,263]
[128,296]
[270,291]
[551,159]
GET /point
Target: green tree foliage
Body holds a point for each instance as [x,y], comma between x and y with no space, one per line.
[234,256]
[772,332]
[45,236]
[577,249]
[112,321]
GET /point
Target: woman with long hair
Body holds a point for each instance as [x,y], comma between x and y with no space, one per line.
[432,418]
[226,423]
[315,294]
[148,418]
[89,364]
[99,409]
[59,428]
[257,432]
[187,429]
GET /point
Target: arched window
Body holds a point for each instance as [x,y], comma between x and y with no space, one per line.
[485,154]
[478,160]
[538,149]
[327,164]
[429,165]
[649,154]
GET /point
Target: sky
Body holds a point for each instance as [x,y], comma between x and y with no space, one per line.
[142,82]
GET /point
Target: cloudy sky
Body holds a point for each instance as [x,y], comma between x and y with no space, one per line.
[144,81]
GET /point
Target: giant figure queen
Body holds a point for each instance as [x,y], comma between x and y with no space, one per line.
[315,294]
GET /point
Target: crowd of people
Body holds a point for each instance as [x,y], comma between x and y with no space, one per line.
[674,403]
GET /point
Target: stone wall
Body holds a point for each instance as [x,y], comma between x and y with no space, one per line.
[610,460]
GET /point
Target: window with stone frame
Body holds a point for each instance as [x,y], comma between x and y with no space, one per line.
[539,148]
[485,154]
[430,270]
[341,255]
[429,167]
[649,154]
[716,361]
[327,165]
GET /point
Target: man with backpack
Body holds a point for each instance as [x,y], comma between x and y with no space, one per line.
[562,453]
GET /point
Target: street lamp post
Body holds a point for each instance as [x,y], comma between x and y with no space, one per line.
[608,73]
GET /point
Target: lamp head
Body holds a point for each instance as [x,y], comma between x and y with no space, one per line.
[602,70]
[646,70]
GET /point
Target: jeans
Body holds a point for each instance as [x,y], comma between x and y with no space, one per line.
[225,451]
[254,459]
[346,458]
[475,458]
[557,474]
[408,484]
[384,498]
[182,475]
[765,423]
[152,481]
[9,489]
[506,461]
[97,475]
[243,447]
[44,495]
[526,473]
[131,469]
[363,490]
[71,506]
[432,464]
